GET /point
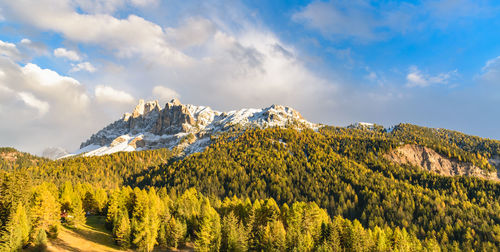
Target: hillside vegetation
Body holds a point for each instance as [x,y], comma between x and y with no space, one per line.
[337,179]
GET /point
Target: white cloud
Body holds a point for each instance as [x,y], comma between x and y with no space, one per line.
[164,94]
[84,66]
[416,78]
[491,70]
[32,101]
[68,54]
[9,50]
[194,31]
[40,107]
[130,37]
[108,94]
[144,3]
[100,6]
[110,6]
[47,77]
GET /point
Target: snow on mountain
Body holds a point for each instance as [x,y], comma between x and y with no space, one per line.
[361,125]
[185,127]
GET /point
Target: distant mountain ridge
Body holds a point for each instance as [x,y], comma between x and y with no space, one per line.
[183,126]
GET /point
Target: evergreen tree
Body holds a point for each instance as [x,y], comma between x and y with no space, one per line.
[71,205]
[144,222]
[39,239]
[209,234]
[45,213]
[175,231]
[15,233]
[77,212]
[101,198]
[90,203]
[234,235]
[275,236]
[121,230]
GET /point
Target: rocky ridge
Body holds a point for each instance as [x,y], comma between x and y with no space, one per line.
[430,160]
[183,126]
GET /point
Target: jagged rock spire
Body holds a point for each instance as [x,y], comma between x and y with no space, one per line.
[153,127]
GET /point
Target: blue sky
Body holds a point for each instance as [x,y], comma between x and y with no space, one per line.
[70,67]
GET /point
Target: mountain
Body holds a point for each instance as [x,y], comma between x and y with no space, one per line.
[54,152]
[184,127]
[424,188]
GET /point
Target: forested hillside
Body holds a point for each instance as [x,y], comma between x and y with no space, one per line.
[337,179]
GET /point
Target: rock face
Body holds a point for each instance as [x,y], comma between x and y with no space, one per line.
[188,127]
[430,160]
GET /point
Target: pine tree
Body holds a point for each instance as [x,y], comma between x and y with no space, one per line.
[113,209]
[16,231]
[234,236]
[209,234]
[101,198]
[90,203]
[45,212]
[121,231]
[275,236]
[39,239]
[144,222]
[175,231]
[77,212]
[71,203]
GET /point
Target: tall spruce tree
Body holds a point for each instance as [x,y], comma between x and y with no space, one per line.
[15,233]
[209,234]
[234,235]
[144,222]
[45,212]
[121,230]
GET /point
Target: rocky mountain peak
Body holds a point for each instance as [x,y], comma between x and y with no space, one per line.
[175,102]
[150,127]
[143,109]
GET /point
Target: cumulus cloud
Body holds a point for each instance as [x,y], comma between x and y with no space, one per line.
[164,94]
[47,77]
[416,78]
[133,36]
[32,101]
[84,66]
[107,94]
[110,6]
[68,54]
[9,50]
[194,31]
[40,107]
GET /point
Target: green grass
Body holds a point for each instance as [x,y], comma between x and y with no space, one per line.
[91,237]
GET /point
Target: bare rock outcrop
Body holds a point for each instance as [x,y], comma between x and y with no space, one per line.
[430,160]
[185,126]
